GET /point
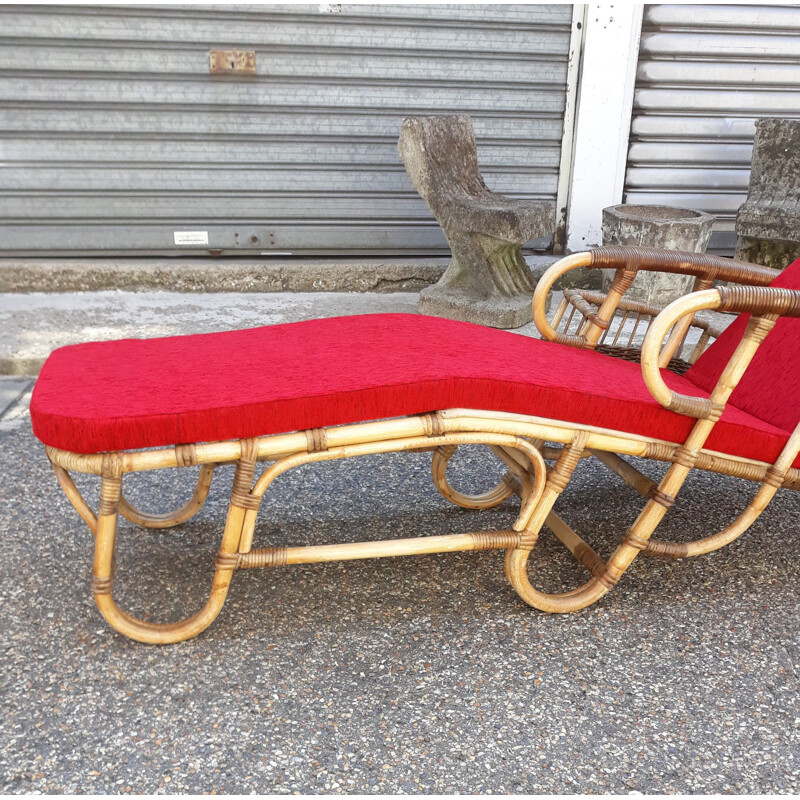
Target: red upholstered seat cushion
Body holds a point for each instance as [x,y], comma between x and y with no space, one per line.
[139,393]
[770,388]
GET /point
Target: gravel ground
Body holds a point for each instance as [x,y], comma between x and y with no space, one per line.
[422,674]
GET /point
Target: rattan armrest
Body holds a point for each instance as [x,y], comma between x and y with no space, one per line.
[627,261]
[702,265]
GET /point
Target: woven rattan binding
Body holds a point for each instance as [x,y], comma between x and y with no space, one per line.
[759,301]
[634,354]
[712,267]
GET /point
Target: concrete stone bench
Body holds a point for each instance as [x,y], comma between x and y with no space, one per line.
[487,281]
[768,224]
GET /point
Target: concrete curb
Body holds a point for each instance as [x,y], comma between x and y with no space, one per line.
[227,275]
[215,275]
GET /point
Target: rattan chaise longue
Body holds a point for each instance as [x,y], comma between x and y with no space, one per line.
[306,392]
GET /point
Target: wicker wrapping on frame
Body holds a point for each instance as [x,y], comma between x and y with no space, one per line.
[676,261]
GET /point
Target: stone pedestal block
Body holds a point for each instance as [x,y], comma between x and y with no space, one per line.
[768,224]
[657,226]
[487,280]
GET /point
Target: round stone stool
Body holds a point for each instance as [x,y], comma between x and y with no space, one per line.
[664,227]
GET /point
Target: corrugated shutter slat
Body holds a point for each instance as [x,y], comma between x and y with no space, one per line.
[113,134]
[705,74]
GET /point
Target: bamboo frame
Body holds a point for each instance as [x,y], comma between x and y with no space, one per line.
[173,518]
[517,440]
[612,341]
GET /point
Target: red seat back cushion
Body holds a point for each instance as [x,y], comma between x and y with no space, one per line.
[770,388]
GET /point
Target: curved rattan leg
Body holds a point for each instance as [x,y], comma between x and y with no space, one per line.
[531,483]
[150,632]
[708,544]
[489,499]
[173,518]
[558,603]
[605,575]
[225,564]
[517,558]
[773,479]
[75,497]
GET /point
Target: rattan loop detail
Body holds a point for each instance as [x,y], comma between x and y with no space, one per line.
[317,440]
[610,577]
[433,424]
[264,557]
[186,455]
[557,481]
[698,407]
[758,328]
[226,560]
[685,457]
[623,279]
[659,451]
[591,560]
[559,476]
[112,465]
[527,540]
[570,339]
[792,479]
[110,492]
[657,496]
[495,540]
[102,585]
[666,549]
[243,477]
[601,323]
[774,477]
[245,500]
[635,541]
[249,450]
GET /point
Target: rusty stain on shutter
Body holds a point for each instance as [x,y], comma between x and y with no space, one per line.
[238,61]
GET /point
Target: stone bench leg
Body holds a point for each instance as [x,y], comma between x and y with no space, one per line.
[487,282]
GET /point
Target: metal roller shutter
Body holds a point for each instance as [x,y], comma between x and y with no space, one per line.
[705,74]
[114,135]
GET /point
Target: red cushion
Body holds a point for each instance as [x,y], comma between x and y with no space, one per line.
[139,393]
[770,388]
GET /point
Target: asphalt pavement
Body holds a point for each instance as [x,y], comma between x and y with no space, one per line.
[418,674]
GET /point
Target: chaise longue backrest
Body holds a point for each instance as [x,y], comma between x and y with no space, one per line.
[770,388]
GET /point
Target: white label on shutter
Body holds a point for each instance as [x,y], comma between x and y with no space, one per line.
[191,237]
